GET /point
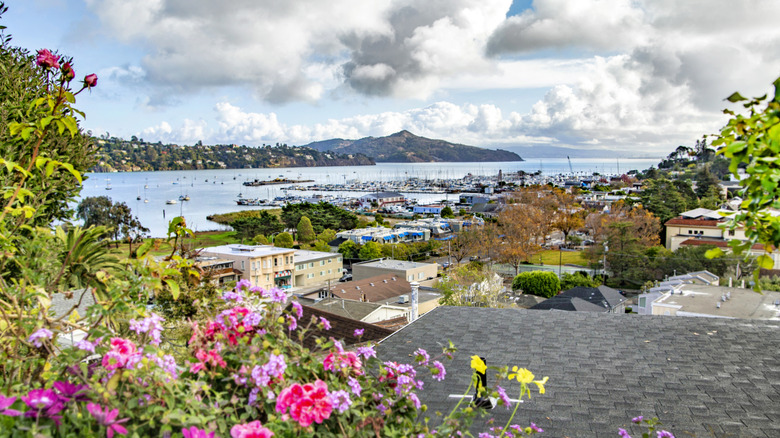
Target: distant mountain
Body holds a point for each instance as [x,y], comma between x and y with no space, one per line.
[405,147]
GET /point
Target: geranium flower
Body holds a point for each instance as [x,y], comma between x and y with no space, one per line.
[5,403]
[69,391]
[254,429]
[107,417]
[309,403]
[194,432]
[40,335]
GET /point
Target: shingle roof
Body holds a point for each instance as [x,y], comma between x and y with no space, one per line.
[570,304]
[376,289]
[341,328]
[708,377]
[602,296]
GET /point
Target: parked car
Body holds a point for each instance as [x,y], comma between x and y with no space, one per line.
[346,277]
[473,258]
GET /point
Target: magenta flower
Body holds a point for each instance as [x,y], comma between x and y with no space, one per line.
[122,354]
[67,71]
[151,325]
[275,294]
[358,333]
[623,433]
[298,309]
[85,345]
[638,419]
[536,428]
[438,371]
[309,403]
[367,351]
[340,400]
[422,357]
[325,323]
[254,429]
[46,59]
[39,335]
[107,417]
[69,391]
[665,434]
[43,403]
[502,395]
[354,385]
[5,403]
[194,432]
[90,80]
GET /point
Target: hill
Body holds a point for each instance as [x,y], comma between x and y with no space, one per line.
[116,154]
[405,147]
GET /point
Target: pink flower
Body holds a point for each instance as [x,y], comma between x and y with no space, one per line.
[90,80]
[298,309]
[120,354]
[308,404]
[250,430]
[194,432]
[5,403]
[43,403]
[347,362]
[358,332]
[107,417]
[39,335]
[46,59]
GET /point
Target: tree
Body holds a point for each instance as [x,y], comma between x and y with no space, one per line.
[705,180]
[540,283]
[283,240]
[568,214]
[569,281]
[463,244]
[321,245]
[116,217]
[327,235]
[379,219]
[470,285]
[664,198]
[447,212]
[305,230]
[260,240]
[248,227]
[322,215]
[371,250]
[349,249]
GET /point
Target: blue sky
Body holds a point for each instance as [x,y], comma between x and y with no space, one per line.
[627,77]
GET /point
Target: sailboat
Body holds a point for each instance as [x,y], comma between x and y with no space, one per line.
[108,184]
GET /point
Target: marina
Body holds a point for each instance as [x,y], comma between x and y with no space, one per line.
[215,191]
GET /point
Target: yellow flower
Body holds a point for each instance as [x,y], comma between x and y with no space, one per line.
[522,375]
[478,364]
[540,384]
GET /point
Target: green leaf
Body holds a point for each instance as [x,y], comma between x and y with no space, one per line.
[73,171]
[714,253]
[765,261]
[144,248]
[174,288]
[735,97]
[113,382]
[777,89]
[70,123]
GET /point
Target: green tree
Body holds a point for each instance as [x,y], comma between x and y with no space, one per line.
[540,283]
[569,281]
[706,180]
[115,216]
[266,224]
[327,235]
[379,219]
[284,240]
[664,198]
[447,212]
[371,250]
[260,240]
[321,245]
[305,231]
[349,249]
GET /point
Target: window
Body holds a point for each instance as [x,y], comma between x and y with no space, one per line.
[322,262]
[731,233]
[339,259]
[276,261]
[410,278]
[311,265]
[310,275]
[330,260]
[267,277]
[330,271]
[690,232]
[419,275]
[322,273]
[242,265]
[642,302]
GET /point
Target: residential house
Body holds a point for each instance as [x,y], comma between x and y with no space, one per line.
[316,267]
[382,198]
[434,209]
[341,328]
[590,299]
[699,376]
[217,270]
[262,265]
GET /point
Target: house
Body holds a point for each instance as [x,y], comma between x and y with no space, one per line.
[382,198]
[341,328]
[569,304]
[411,271]
[588,299]
[316,267]
[702,226]
[262,265]
[428,209]
[217,270]
[701,377]
[703,300]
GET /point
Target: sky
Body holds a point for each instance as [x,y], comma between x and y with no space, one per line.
[618,77]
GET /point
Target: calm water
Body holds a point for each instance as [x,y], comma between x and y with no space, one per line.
[215,191]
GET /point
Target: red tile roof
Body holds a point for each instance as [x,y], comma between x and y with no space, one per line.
[718,243]
[708,223]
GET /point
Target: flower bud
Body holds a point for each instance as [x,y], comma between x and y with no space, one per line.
[67,71]
[90,80]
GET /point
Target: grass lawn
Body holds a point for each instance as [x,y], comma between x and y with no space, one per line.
[202,239]
[553,257]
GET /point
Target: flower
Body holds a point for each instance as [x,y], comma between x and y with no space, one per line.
[347,362]
[522,375]
[85,345]
[358,333]
[309,403]
[90,80]
[254,429]
[276,295]
[623,433]
[150,325]
[367,351]
[46,59]
[5,403]
[70,391]
[194,432]
[536,428]
[438,371]
[67,71]
[43,403]
[354,385]
[421,356]
[298,309]
[325,323]
[39,335]
[107,417]
[340,400]
[122,354]
[540,384]
[665,434]
[479,365]
[503,397]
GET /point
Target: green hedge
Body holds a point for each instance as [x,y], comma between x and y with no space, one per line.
[540,283]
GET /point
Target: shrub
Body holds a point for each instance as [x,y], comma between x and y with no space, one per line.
[540,283]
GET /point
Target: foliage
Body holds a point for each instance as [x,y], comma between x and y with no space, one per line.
[349,249]
[249,227]
[754,140]
[322,215]
[463,244]
[327,235]
[116,216]
[321,245]
[305,230]
[447,212]
[540,283]
[666,199]
[260,240]
[569,281]
[284,240]
[471,285]
[370,250]
[227,218]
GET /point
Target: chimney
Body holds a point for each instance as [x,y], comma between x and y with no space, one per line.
[415,289]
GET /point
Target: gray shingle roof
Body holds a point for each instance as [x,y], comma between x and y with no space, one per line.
[603,296]
[708,377]
[571,304]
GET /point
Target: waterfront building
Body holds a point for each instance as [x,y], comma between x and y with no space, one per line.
[219,271]
[263,265]
[411,271]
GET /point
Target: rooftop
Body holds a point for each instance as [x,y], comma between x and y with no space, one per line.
[702,376]
[701,300]
[247,250]
[304,255]
[393,264]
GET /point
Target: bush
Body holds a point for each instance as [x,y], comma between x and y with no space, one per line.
[540,283]
[578,279]
[283,240]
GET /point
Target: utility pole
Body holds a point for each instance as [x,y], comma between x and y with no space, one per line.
[604,263]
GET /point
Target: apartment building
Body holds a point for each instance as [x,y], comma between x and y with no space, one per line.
[263,265]
[317,267]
